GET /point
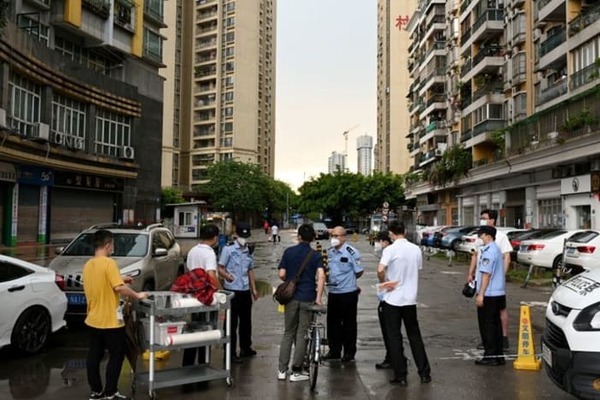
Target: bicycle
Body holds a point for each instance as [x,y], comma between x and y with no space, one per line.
[314,343]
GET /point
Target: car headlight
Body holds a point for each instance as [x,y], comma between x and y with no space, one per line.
[588,319]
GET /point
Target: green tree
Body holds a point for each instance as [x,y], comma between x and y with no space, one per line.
[170,196]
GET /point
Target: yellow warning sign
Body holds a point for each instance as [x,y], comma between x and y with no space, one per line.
[526,358]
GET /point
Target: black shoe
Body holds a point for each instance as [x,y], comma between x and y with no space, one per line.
[426,379]
[249,352]
[236,359]
[505,344]
[493,362]
[347,358]
[383,365]
[480,346]
[399,381]
[330,356]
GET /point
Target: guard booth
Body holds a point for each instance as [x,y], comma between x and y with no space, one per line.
[187,219]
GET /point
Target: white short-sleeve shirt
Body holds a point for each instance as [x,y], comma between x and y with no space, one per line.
[202,256]
[403,260]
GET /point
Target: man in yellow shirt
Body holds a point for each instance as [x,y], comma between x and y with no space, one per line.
[103,285]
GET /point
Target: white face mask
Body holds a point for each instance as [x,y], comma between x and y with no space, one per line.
[241,241]
[335,242]
[483,222]
[377,248]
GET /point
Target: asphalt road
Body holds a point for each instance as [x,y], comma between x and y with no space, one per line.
[448,324]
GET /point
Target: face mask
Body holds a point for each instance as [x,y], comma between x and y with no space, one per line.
[483,222]
[241,241]
[377,248]
[335,242]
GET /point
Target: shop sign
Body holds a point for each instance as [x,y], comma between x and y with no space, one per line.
[595,182]
[7,172]
[85,181]
[39,176]
[575,185]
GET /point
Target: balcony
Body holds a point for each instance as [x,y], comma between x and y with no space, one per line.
[437,45]
[203,73]
[553,51]
[206,44]
[584,20]
[553,42]
[489,89]
[464,5]
[466,35]
[153,11]
[586,75]
[552,91]
[488,25]
[492,51]
[207,15]
[100,7]
[551,10]
[466,67]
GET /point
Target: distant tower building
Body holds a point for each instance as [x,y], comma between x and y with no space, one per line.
[364,146]
[337,162]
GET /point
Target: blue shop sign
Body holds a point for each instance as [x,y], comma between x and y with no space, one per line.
[36,176]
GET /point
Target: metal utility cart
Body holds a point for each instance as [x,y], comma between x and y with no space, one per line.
[160,305]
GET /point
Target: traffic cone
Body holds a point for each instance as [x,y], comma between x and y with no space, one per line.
[526,358]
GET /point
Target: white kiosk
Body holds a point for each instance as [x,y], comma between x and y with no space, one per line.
[187,218]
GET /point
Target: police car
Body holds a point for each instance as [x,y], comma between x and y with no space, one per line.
[571,341]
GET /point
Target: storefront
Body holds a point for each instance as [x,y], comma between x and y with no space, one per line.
[31,197]
[579,204]
[8,177]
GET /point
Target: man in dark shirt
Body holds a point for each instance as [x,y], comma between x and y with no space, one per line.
[297,314]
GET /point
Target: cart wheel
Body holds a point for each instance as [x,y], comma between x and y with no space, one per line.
[229,381]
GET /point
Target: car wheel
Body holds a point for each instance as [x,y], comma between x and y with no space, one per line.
[557,263]
[31,330]
[454,245]
[148,286]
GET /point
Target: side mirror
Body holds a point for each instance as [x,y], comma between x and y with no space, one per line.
[134,273]
[58,250]
[160,252]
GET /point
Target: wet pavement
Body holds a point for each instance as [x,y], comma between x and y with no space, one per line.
[448,324]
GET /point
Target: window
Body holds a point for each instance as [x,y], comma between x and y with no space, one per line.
[87,57]
[227,142]
[113,131]
[550,213]
[229,37]
[229,22]
[68,118]
[228,52]
[10,272]
[228,66]
[123,15]
[199,174]
[153,45]
[35,28]
[154,8]
[226,156]
[227,112]
[228,82]
[25,99]
[228,96]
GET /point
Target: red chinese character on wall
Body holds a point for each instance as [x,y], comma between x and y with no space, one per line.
[401,21]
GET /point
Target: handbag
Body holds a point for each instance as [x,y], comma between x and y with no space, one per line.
[286,290]
[469,289]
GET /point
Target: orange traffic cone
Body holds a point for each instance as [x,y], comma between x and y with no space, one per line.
[526,358]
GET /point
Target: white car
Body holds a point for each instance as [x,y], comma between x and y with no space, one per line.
[33,304]
[582,251]
[545,251]
[571,341]
[468,243]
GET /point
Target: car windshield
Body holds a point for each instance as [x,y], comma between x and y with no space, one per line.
[583,237]
[126,245]
[319,226]
[553,234]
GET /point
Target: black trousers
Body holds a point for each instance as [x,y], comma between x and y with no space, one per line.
[101,340]
[393,316]
[341,323]
[241,317]
[490,326]
[190,354]
[383,332]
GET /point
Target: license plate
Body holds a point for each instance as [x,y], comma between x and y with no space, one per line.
[76,299]
[547,355]
[571,250]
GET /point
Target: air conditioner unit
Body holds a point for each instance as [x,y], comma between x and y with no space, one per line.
[41,131]
[58,138]
[79,143]
[128,152]
[439,152]
[2,118]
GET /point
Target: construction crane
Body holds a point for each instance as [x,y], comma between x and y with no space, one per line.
[345,133]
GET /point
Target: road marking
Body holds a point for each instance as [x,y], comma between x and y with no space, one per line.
[452,272]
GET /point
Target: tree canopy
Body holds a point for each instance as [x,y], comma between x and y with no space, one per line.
[349,195]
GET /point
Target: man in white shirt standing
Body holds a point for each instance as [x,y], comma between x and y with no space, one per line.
[398,273]
[489,217]
[203,256]
[275,233]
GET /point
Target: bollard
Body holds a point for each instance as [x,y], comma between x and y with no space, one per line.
[355,237]
[526,358]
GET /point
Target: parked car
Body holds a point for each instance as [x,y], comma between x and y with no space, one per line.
[545,251]
[428,235]
[582,251]
[151,252]
[468,242]
[451,237]
[516,240]
[321,230]
[351,229]
[33,304]
[571,341]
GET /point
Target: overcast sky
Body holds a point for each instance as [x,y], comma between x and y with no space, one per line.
[326,83]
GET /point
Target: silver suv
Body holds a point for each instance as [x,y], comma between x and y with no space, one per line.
[150,253]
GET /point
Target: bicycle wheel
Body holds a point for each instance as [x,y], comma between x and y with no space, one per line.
[313,366]
[307,354]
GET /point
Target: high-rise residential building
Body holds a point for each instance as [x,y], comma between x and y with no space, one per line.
[223,103]
[393,16]
[518,130]
[80,116]
[364,148]
[336,162]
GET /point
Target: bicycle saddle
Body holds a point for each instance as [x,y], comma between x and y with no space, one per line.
[318,308]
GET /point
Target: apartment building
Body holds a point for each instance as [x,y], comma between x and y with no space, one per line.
[336,163]
[80,116]
[522,101]
[364,148]
[223,104]
[393,17]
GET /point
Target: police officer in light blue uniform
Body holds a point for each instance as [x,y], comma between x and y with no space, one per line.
[342,302]
[491,297]
[236,268]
